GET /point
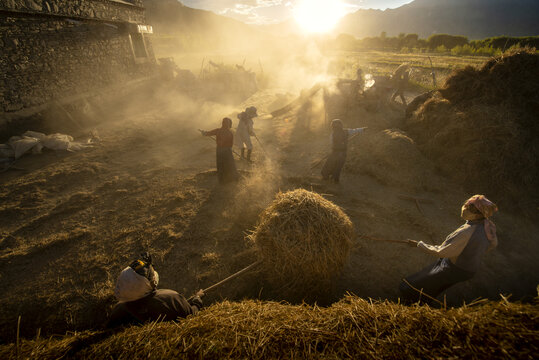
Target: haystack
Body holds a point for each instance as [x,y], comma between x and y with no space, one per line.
[481,128]
[392,158]
[353,328]
[303,240]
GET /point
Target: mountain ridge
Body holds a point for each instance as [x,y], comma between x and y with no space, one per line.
[475,19]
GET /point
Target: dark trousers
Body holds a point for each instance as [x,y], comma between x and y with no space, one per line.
[226,167]
[432,280]
[333,166]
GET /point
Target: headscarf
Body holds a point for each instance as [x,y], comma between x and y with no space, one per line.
[486,208]
[336,123]
[136,281]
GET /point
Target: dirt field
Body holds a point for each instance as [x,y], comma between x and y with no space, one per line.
[73,221]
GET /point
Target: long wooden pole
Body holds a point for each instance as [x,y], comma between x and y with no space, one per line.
[386,240]
[433,73]
[244,270]
[233,151]
[236,274]
[259,143]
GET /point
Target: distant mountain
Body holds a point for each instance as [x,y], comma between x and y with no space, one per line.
[171,16]
[200,29]
[476,19]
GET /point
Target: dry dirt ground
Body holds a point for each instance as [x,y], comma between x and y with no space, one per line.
[73,221]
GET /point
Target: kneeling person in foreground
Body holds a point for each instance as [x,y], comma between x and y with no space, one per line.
[140,301]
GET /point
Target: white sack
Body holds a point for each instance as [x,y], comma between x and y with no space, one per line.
[34,134]
[23,145]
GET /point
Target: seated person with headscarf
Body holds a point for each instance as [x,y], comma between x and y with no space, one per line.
[140,301]
[459,255]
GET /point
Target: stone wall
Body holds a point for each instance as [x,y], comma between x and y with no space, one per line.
[46,58]
[111,10]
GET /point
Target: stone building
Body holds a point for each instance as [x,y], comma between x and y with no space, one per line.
[53,50]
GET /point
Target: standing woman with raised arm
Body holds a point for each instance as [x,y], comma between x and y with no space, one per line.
[339,146]
[459,255]
[226,167]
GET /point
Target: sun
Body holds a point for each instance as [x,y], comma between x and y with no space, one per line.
[318,16]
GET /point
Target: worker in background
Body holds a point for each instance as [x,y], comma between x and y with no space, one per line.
[305,111]
[400,80]
[339,146]
[359,84]
[226,167]
[244,131]
[140,301]
[459,256]
[352,89]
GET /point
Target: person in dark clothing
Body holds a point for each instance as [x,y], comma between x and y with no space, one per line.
[140,301]
[459,256]
[226,167]
[339,145]
[358,85]
[400,79]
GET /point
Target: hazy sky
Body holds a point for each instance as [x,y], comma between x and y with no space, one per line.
[273,11]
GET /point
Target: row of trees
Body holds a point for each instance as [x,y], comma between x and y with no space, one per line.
[456,44]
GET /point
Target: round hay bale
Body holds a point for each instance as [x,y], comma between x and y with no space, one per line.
[303,240]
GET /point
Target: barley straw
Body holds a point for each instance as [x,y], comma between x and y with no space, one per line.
[352,328]
[303,240]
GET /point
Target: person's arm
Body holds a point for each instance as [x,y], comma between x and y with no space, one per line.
[209,133]
[452,246]
[196,301]
[355,131]
[250,128]
[120,316]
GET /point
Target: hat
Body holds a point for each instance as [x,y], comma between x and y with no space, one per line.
[251,110]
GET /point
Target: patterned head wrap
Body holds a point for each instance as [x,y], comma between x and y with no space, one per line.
[486,208]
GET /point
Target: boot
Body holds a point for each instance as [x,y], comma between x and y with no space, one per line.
[243,153]
[249,151]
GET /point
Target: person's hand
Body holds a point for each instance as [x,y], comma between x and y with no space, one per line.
[202,132]
[412,243]
[200,293]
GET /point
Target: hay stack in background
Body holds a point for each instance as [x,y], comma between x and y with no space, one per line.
[392,158]
[303,241]
[481,128]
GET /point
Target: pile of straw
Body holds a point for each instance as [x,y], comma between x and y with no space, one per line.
[303,240]
[392,158]
[353,328]
[481,127]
